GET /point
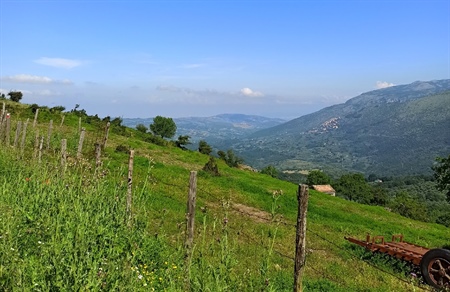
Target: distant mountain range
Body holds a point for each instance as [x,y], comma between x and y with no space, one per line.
[393,131]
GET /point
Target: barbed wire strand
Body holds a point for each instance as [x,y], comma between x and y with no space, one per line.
[210,195]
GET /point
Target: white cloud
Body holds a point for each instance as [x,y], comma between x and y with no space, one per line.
[383,84]
[25,78]
[58,62]
[34,79]
[248,92]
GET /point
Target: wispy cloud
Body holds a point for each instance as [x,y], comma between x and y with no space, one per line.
[192,66]
[248,92]
[34,79]
[46,92]
[187,91]
[43,92]
[59,62]
[384,84]
[210,92]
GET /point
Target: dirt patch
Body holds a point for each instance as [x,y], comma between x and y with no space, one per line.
[255,214]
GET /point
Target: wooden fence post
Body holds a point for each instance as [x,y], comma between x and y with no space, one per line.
[49,135]
[63,153]
[24,135]
[16,138]
[62,121]
[98,152]
[35,117]
[190,220]
[2,116]
[8,129]
[36,144]
[79,125]
[106,135]
[41,144]
[300,238]
[129,188]
[80,143]
[2,120]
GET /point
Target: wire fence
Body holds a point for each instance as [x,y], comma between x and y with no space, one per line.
[212,198]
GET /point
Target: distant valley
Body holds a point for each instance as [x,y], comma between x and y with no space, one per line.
[215,129]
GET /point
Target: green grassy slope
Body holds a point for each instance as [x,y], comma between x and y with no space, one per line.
[66,230]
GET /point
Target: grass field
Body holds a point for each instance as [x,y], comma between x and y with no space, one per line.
[65,229]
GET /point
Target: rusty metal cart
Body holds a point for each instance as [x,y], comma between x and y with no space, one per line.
[434,263]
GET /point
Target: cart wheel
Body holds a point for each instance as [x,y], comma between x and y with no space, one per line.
[435,268]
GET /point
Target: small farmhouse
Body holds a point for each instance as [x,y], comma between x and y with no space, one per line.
[327,189]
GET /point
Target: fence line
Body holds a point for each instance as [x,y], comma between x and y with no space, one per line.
[38,152]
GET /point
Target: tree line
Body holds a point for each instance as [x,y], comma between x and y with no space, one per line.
[424,198]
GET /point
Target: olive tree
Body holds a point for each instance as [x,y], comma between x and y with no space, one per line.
[163,127]
[15,96]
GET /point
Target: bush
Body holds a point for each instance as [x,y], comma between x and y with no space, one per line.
[211,167]
[270,170]
[204,147]
[141,128]
[122,148]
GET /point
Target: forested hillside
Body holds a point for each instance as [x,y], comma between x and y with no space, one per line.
[394,131]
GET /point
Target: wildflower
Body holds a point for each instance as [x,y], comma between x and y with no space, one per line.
[140,277]
[27,179]
[174,267]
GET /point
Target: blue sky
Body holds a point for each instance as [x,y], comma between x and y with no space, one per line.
[201,58]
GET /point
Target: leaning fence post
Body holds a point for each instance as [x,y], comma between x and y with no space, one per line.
[36,144]
[16,138]
[190,220]
[8,129]
[62,121]
[129,188]
[98,152]
[63,153]
[2,116]
[24,135]
[106,135]
[49,135]
[80,143]
[41,143]
[300,238]
[35,117]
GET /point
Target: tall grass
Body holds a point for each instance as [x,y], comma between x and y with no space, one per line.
[65,229]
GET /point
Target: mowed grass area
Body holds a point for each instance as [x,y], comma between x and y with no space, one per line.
[66,230]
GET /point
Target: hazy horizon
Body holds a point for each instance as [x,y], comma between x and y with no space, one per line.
[277,59]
